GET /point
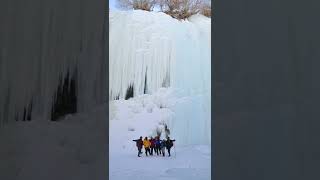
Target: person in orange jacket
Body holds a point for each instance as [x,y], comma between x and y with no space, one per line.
[147,144]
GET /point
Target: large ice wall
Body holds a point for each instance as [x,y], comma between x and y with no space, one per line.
[145,45]
[39,44]
[150,50]
[140,51]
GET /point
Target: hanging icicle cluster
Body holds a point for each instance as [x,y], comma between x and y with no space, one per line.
[140,53]
[147,49]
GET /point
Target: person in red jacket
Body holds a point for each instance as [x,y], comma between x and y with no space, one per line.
[153,145]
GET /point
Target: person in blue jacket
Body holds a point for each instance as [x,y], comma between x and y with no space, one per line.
[158,143]
[163,146]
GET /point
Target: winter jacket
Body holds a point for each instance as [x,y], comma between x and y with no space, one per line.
[146,143]
[153,142]
[169,143]
[139,143]
[157,142]
[162,144]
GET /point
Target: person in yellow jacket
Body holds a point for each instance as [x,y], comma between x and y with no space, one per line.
[147,144]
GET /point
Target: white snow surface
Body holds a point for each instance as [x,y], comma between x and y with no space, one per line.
[189,163]
[140,116]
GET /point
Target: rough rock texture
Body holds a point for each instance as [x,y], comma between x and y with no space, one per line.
[40,42]
[266,90]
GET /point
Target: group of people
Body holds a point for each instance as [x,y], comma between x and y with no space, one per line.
[154,145]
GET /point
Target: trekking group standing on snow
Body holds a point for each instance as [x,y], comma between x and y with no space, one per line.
[154,145]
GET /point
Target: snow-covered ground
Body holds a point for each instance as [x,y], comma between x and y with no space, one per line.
[189,163]
[140,116]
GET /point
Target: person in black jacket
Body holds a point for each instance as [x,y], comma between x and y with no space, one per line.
[169,144]
[139,144]
[163,147]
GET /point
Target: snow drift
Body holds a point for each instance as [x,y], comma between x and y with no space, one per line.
[151,50]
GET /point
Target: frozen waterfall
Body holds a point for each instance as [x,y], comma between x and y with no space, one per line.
[150,50]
